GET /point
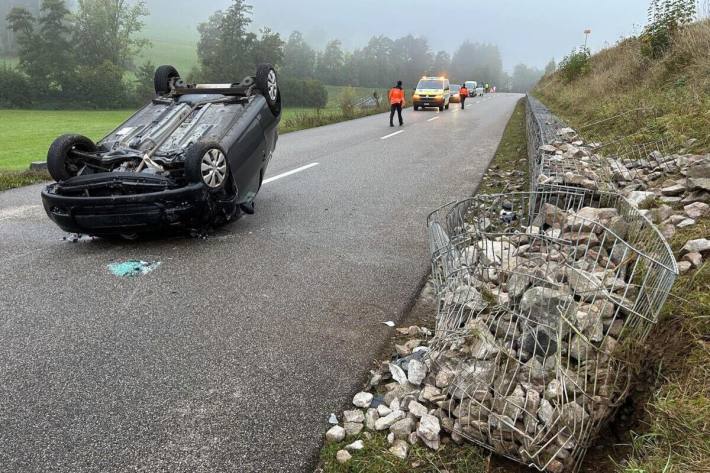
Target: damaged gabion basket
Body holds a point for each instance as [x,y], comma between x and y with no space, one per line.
[545,298]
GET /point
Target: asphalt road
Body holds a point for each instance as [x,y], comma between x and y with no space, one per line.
[232,353]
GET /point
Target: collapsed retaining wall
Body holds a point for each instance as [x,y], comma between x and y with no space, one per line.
[545,297]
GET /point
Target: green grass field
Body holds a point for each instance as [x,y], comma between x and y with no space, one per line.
[26,134]
[181,54]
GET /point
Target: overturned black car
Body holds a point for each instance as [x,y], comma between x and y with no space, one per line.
[195,156]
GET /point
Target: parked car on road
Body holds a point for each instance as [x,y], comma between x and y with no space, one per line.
[479,91]
[432,92]
[471,86]
[195,156]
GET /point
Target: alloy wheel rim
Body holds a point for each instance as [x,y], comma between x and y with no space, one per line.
[214,168]
[271,85]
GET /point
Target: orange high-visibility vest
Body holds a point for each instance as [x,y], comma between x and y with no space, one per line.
[463,92]
[396,96]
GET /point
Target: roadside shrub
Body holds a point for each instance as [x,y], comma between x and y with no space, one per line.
[303,93]
[98,86]
[347,102]
[15,90]
[144,89]
[575,65]
[665,19]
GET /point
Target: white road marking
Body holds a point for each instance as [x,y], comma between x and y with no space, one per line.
[432,119]
[392,134]
[288,173]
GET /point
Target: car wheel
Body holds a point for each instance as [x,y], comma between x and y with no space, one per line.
[61,164]
[441,108]
[416,108]
[164,75]
[207,163]
[268,83]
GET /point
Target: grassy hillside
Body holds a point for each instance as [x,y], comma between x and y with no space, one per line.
[670,431]
[675,89]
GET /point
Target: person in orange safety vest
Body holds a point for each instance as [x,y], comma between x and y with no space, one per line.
[396,96]
[463,94]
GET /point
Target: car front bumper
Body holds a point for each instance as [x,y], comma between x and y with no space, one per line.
[429,102]
[118,214]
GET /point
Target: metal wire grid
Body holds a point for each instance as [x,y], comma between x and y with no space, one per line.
[491,255]
[625,158]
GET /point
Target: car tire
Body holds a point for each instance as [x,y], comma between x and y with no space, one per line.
[416,108]
[206,163]
[162,78]
[441,108]
[268,83]
[60,164]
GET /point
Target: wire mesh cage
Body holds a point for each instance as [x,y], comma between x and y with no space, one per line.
[557,157]
[545,297]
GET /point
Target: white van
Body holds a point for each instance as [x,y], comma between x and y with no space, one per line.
[471,85]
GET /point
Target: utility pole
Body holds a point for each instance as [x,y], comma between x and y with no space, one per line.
[587,32]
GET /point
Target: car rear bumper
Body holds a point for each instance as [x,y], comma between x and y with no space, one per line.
[134,213]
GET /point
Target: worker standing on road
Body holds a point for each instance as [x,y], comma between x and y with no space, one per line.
[396,97]
[463,93]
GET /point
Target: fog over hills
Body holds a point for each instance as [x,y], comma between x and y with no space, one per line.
[526,31]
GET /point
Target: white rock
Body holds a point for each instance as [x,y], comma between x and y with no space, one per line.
[400,449]
[355,446]
[696,259]
[417,409]
[383,410]
[416,372]
[386,422]
[430,393]
[553,390]
[688,222]
[546,413]
[402,428]
[701,245]
[684,267]
[636,197]
[371,417]
[398,374]
[355,415]
[428,431]
[444,377]
[343,456]
[697,210]
[362,399]
[335,434]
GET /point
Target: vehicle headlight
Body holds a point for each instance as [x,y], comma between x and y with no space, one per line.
[415,96]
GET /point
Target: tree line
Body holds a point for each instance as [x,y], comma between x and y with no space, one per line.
[86,57]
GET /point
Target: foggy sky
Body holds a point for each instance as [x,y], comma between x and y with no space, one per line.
[528,31]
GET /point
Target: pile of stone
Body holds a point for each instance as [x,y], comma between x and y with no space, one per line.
[568,161]
[673,191]
[539,320]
